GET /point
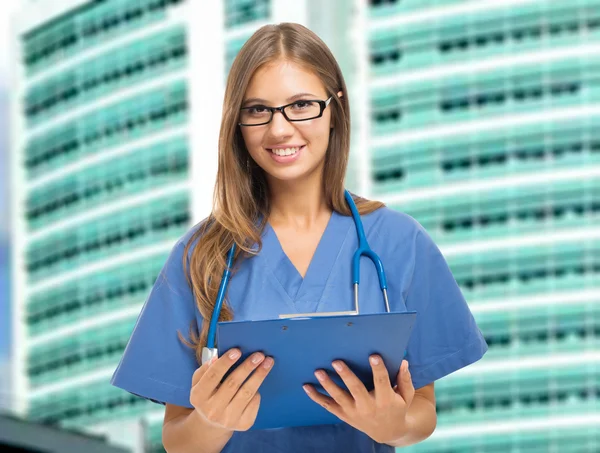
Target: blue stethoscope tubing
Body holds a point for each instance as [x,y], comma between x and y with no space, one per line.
[366,250]
[363,250]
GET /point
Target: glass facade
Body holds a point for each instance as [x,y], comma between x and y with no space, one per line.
[245,12]
[93,23]
[150,167]
[106,166]
[142,60]
[124,121]
[242,18]
[120,233]
[482,129]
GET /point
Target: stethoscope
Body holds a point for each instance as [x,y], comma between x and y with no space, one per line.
[210,350]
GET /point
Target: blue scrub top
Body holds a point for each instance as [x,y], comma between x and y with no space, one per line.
[445,337]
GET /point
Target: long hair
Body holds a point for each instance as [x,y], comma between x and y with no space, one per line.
[241,197]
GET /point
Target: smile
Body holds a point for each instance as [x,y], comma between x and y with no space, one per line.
[286,151]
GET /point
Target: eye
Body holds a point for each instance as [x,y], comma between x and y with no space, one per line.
[257,109]
[301,105]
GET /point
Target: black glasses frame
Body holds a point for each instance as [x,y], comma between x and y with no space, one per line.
[322,104]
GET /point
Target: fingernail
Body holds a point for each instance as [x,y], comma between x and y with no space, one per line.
[235,354]
[374,360]
[320,375]
[257,358]
[268,363]
[306,389]
[337,366]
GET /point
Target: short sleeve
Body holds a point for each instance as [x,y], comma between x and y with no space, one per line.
[156,364]
[445,336]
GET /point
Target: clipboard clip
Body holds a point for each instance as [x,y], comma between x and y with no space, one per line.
[317,315]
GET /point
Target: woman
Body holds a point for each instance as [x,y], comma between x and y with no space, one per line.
[283,152]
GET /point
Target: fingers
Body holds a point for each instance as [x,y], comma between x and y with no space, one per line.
[197,392]
[199,373]
[341,397]
[405,386]
[214,372]
[228,389]
[233,402]
[324,401]
[381,378]
[356,388]
[201,370]
[249,390]
[249,414]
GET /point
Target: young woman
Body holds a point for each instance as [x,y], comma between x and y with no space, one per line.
[283,152]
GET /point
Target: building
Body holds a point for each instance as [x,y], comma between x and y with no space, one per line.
[480,119]
[114,159]
[485,127]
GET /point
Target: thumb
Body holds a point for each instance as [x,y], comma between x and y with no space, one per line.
[405,386]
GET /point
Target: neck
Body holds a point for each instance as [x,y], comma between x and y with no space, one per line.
[300,203]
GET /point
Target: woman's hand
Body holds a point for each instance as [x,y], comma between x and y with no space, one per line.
[381,413]
[232,404]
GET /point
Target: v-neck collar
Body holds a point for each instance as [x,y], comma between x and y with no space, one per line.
[305,293]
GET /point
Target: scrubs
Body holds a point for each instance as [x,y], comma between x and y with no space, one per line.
[445,337]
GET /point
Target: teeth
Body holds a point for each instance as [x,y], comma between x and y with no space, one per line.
[285,151]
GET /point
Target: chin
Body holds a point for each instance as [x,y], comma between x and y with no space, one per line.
[288,176]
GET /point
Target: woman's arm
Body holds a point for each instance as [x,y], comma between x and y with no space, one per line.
[184,430]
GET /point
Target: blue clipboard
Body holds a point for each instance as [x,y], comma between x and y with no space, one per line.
[300,346]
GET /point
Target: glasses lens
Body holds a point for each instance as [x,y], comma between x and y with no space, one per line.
[255,115]
[303,110]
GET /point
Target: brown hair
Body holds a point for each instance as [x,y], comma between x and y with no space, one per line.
[241,197]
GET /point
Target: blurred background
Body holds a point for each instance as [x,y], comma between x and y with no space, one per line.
[480,118]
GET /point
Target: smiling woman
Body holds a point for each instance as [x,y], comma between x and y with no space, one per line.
[280,200]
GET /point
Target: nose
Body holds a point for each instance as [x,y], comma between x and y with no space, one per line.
[279,126]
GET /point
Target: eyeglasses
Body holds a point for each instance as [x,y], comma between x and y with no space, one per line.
[302,110]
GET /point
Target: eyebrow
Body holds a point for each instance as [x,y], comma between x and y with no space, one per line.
[290,99]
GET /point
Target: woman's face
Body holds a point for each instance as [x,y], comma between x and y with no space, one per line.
[287,150]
